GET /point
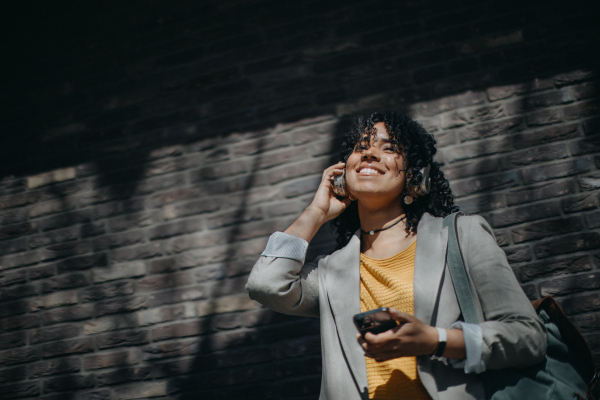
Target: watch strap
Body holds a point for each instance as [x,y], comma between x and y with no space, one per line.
[442,339]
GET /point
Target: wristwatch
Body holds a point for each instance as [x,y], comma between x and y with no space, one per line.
[441,347]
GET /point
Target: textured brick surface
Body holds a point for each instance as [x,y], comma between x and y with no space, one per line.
[148,158]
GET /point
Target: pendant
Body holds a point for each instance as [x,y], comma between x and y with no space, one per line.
[371,233]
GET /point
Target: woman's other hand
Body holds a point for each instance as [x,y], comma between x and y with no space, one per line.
[324,207]
[412,337]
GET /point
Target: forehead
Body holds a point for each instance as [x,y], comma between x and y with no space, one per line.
[379,132]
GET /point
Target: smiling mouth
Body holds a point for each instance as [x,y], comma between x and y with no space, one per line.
[369,171]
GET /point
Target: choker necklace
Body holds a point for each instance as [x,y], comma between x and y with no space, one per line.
[383,229]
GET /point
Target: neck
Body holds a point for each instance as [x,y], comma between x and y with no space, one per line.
[372,218]
[388,242]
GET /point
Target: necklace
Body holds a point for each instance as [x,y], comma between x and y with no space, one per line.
[383,229]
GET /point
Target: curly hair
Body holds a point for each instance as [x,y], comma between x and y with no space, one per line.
[418,148]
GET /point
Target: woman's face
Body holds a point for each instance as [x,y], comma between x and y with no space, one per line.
[375,168]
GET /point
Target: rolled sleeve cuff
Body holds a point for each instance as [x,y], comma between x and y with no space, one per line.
[283,245]
[473,343]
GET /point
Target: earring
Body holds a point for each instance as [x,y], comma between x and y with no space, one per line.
[408,199]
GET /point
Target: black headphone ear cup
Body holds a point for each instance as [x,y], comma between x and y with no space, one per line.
[339,185]
[423,181]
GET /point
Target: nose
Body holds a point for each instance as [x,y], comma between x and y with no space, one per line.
[370,154]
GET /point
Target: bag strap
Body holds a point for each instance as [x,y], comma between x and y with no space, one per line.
[458,273]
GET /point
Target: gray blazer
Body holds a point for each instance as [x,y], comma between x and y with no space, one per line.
[329,288]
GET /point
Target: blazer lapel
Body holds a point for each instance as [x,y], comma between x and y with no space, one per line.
[430,260]
[343,289]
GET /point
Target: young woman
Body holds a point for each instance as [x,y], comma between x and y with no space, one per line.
[392,253]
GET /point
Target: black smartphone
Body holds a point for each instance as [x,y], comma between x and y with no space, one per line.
[374,321]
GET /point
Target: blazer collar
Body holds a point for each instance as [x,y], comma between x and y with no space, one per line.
[343,287]
[430,260]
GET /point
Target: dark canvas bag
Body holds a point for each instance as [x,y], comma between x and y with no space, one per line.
[568,365]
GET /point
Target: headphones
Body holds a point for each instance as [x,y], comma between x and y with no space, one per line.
[422,177]
[423,181]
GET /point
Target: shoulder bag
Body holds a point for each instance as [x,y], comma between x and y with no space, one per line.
[568,365]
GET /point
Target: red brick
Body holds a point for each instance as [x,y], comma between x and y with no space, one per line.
[517,254]
[64,281]
[193,328]
[11,277]
[175,228]
[53,367]
[157,282]
[19,291]
[20,355]
[194,207]
[163,265]
[130,221]
[484,184]
[16,230]
[171,349]
[545,117]
[172,296]
[136,253]
[99,292]
[550,268]
[581,109]
[68,383]
[116,359]
[546,228]
[118,240]
[222,170]
[582,202]
[122,375]
[22,389]
[122,304]
[488,129]
[82,262]
[556,170]
[581,304]
[20,322]
[65,250]
[533,156]
[176,196]
[546,135]
[568,244]
[570,284]
[166,314]
[9,375]
[53,333]
[15,339]
[542,191]
[67,314]
[71,346]
[477,149]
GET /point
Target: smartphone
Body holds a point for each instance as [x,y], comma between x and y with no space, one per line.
[374,321]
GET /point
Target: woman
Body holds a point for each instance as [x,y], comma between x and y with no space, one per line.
[392,254]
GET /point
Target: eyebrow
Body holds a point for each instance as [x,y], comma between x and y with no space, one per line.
[375,139]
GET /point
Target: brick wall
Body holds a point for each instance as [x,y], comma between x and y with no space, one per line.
[149,150]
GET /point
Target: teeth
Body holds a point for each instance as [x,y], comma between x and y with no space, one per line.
[369,170]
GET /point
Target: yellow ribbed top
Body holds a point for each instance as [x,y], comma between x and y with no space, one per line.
[389,283]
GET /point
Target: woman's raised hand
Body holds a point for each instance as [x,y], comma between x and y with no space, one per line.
[324,207]
[325,201]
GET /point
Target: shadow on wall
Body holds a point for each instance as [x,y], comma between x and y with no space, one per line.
[157,240]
